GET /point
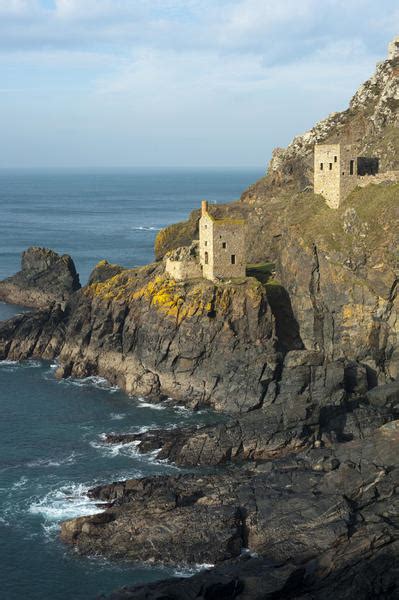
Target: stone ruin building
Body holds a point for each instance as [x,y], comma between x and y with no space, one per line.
[221,246]
[337,171]
[220,252]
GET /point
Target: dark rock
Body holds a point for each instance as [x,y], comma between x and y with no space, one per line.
[255,579]
[154,337]
[326,517]
[45,278]
[385,396]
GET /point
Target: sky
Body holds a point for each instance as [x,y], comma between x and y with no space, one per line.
[177,83]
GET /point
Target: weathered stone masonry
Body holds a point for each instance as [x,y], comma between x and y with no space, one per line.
[337,171]
[220,252]
[222,246]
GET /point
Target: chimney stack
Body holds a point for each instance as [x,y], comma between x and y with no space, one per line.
[204,207]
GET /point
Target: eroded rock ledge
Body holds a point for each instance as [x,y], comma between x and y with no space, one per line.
[322,522]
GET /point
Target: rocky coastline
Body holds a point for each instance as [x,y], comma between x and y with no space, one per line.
[295,493]
[303,481]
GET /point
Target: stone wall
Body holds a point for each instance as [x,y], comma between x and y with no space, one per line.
[348,176]
[327,167]
[183,269]
[206,245]
[183,263]
[229,242]
[387,177]
[335,172]
[222,247]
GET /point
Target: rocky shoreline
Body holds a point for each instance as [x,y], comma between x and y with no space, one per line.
[319,524]
[295,493]
[303,484]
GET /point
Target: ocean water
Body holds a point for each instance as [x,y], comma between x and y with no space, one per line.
[113,215]
[51,445]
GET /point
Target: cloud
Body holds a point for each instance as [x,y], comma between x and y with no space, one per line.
[250,72]
[277,31]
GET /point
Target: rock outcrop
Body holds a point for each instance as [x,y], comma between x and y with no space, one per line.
[323,524]
[45,278]
[206,344]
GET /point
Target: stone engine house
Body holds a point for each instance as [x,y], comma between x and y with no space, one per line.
[220,252]
[337,171]
[221,246]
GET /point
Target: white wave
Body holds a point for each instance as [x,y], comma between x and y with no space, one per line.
[109,450]
[50,529]
[25,364]
[51,462]
[154,406]
[22,481]
[117,416]
[113,450]
[185,412]
[93,381]
[8,363]
[67,502]
[170,403]
[186,571]
[146,228]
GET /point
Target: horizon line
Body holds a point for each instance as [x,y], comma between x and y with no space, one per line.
[127,167]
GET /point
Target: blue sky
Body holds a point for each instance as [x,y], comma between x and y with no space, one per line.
[104,83]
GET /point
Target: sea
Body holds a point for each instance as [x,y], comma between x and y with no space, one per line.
[52,446]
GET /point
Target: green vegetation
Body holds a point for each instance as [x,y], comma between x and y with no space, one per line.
[176,235]
[366,218]
[261,271]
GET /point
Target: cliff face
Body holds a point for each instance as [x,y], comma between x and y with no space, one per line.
[206,344]
[339,269]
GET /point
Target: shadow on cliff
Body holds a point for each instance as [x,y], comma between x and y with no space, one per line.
[287,328]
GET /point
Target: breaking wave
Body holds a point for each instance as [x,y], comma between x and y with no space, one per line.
[67,502]
[112,450]
[93,381]
[52,462]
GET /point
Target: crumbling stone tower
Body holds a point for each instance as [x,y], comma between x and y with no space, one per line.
[337,170]
[222,246]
